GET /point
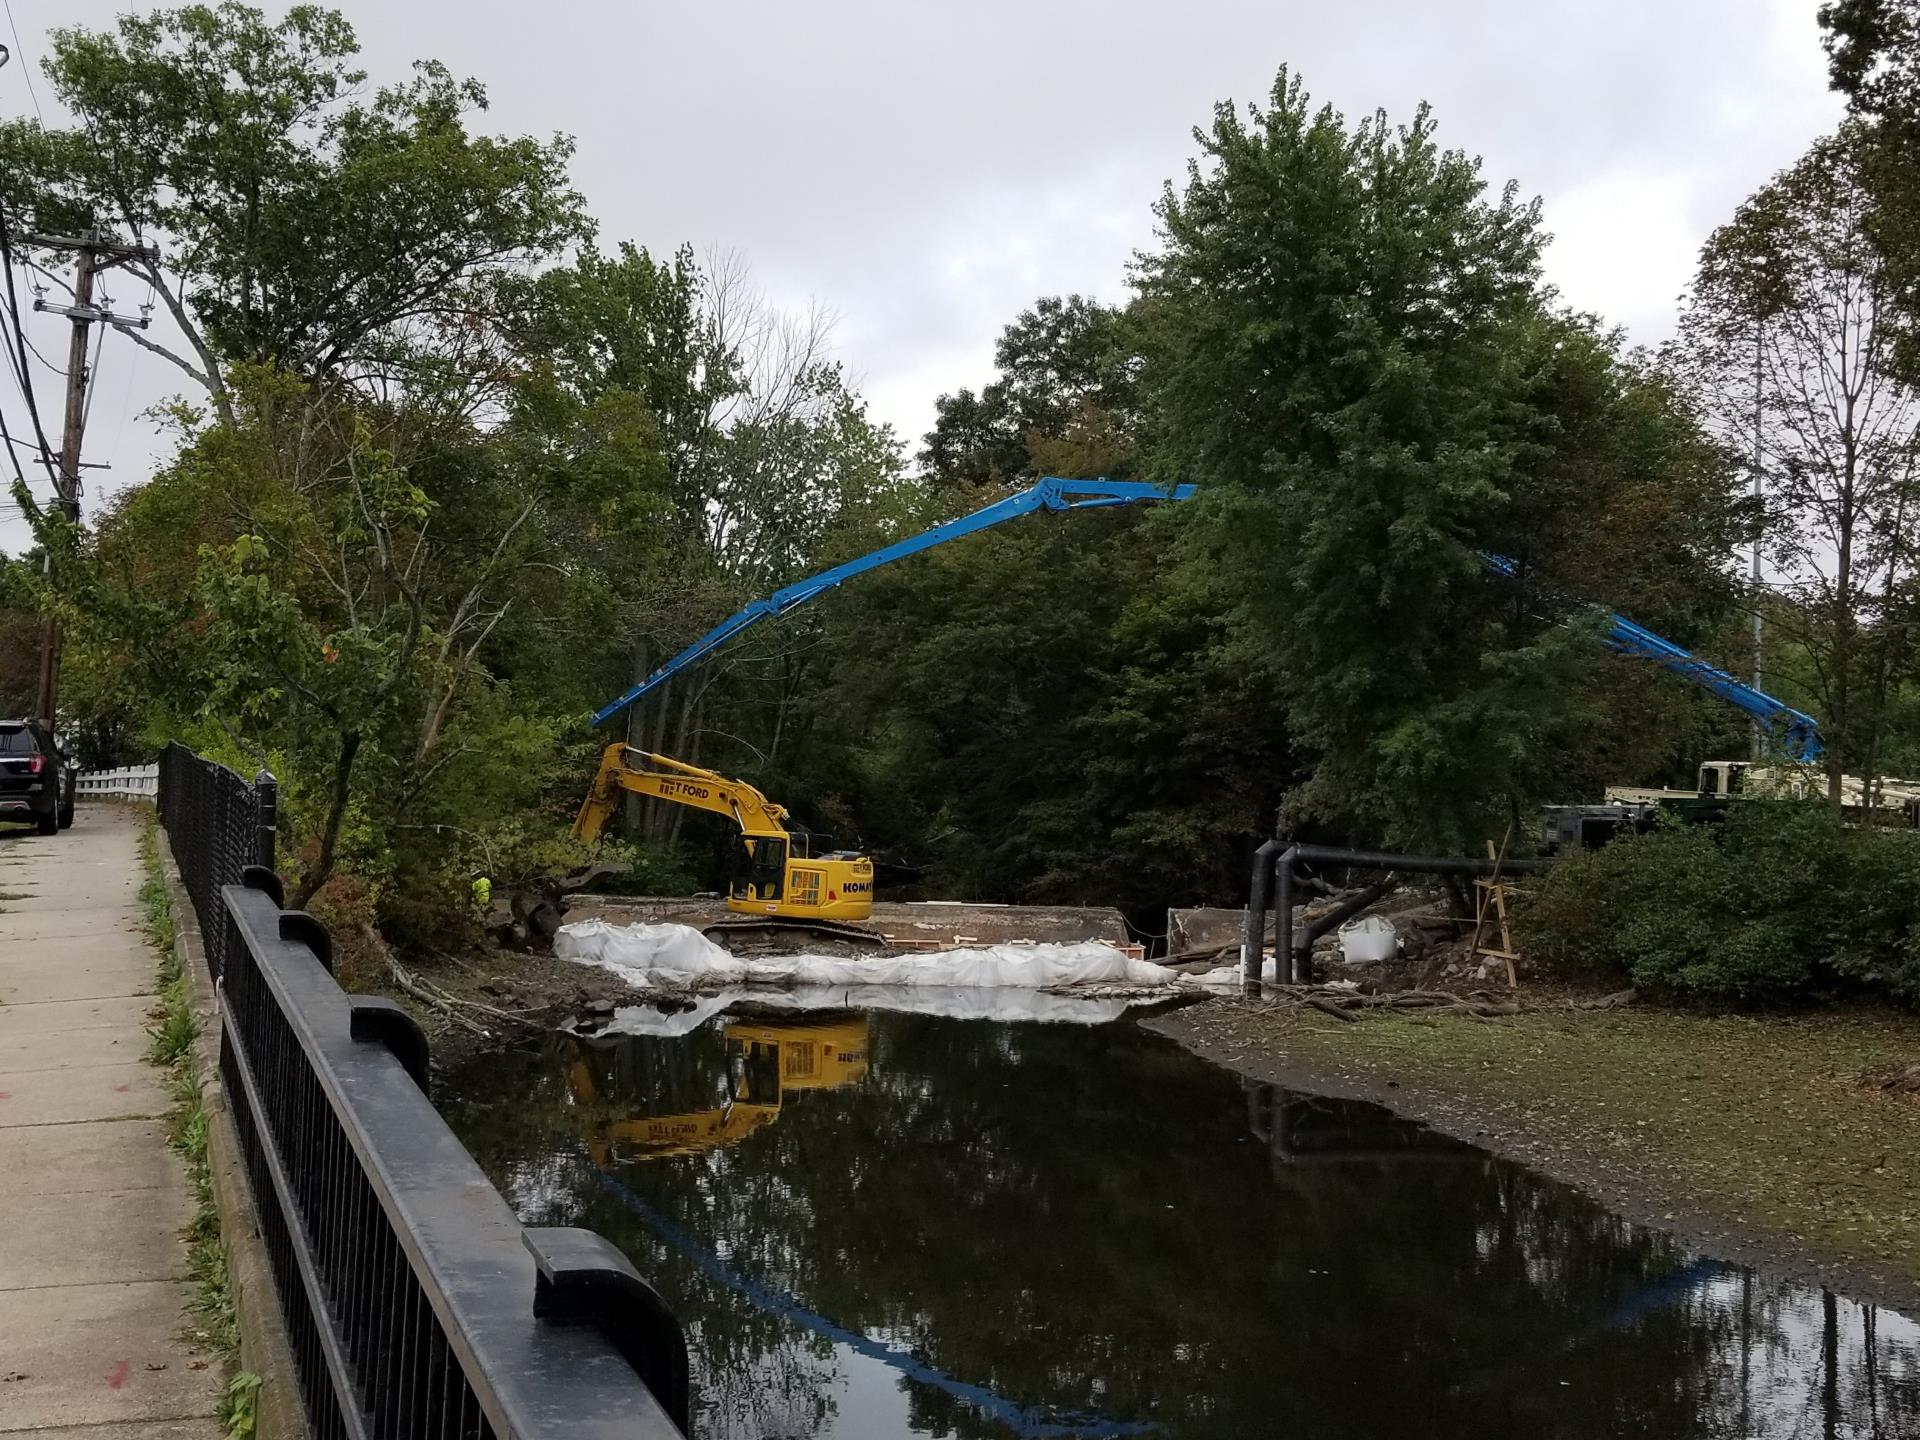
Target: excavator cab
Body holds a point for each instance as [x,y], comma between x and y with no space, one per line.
[786,875]
[759,869]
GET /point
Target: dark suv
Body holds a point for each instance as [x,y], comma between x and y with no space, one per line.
[36,783]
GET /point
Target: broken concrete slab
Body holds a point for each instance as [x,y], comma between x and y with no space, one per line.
[1208,928]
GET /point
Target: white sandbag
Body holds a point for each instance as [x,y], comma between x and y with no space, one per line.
[1002,1003]
[649,956]
[655,956]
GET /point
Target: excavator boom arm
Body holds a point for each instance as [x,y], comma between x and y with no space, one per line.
[624,770]
[1052,493]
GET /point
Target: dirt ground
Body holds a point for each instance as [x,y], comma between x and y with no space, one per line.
[486,999]
[1766,1140]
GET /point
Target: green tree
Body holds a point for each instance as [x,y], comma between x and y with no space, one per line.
[1064,402]
[1791,325]
[1335,349]
[768,469]
[21,626]
[300,589]
[1873,51]
[302,225]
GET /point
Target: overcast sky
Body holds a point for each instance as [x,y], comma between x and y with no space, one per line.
[926,171]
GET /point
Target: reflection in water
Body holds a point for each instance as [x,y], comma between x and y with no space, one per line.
[767,1061]
[981,1230]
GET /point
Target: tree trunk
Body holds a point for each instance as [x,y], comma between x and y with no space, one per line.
[1845,722]
[662,705]
[667,821]
[692,758]
[636,734]
[780,711]
[317,874]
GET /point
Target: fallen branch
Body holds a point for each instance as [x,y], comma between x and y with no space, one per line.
[448,1005]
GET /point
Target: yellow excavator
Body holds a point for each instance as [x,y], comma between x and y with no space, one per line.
[767,1063]
[776,872]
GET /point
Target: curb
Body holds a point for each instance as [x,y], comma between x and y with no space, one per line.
[264,1348]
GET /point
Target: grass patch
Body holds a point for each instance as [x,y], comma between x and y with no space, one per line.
[214,1326]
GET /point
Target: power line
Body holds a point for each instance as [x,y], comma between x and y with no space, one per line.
[20,335]
[7,436]
[25,68]
[23,384]
[58,370]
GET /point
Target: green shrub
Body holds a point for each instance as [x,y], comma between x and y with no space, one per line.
[1780,901]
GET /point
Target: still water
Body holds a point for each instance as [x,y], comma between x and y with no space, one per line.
[884,1225]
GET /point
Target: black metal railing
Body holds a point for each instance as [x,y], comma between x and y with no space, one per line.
[217,825]
[415,1303]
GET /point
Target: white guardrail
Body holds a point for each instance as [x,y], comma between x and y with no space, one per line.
[128,780]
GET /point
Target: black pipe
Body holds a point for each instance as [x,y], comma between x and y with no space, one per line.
[1254,943]
[1273,880]
[1419,864]
[1283,885]
[1345,910]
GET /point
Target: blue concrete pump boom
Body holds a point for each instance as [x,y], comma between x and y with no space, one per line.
[1798,733]
[1052,493]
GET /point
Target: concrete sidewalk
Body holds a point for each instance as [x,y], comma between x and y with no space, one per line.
[93,1282]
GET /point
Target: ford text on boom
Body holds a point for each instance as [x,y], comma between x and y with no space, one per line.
[671,788]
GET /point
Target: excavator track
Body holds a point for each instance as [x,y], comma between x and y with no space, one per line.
[782,932]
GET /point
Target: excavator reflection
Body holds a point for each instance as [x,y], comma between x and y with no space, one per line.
[768,1063]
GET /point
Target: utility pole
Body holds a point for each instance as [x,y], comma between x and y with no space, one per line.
[1759,501]
[93,253]
[67,478]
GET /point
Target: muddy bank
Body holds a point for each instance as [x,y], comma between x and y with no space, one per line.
[488,1000]
[1765,1140]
